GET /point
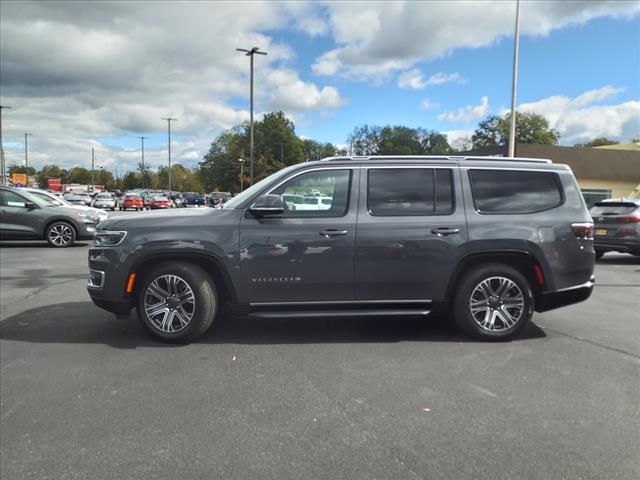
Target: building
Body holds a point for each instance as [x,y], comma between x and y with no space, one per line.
[602,172]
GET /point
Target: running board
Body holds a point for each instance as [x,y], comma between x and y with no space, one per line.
[387,312]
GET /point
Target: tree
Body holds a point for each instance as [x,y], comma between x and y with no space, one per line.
[598,142]
[51,171]
[82,175]
[397,140]
[130,181]
[530,128]
[315,150]
[21,169]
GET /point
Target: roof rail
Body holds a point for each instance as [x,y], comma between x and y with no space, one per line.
[434,157]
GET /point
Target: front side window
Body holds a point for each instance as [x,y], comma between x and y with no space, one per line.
[322,193]
[409,191]
[512,191]
[11,199]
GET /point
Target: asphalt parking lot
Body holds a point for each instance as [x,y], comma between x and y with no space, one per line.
[86,395]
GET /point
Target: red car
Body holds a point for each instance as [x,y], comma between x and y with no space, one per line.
[132,201]
[160,202]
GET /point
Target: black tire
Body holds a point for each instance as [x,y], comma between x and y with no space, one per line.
[496,310]
[599,254]
[205,303]
[60,234]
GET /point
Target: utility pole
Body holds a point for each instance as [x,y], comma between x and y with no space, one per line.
[144,170]
[3,181]
[514,84]
[169,120]
[26,156]
[241,160]
[251,53]
[93,160]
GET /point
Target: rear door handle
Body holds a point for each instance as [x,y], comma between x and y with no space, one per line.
[332,233]
[442,231]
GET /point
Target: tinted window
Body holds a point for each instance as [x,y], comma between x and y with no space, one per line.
[12,199]
[409,191]
[613,208]
[302,194]
[510,191]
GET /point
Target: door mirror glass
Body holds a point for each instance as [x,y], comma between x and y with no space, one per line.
[268,205]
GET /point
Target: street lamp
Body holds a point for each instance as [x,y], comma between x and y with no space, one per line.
[251,53]
[514,84]
[169,120]
[26,156]
[3,180]
[143,169]
[241,160]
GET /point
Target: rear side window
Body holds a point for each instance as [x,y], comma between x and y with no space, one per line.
[409,191]
[512,191]
[613,208]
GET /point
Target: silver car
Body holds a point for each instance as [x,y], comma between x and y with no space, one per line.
[105,200]
[95,213]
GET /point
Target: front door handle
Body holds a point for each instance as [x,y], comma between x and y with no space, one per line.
[443,231]
[332,233]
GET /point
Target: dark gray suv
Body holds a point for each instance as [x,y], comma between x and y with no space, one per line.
[491,240]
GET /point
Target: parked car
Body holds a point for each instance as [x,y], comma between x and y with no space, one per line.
[74,199]
[217,199]
[86,198]
[193,199]
[49,197]
[617,226]
[25,216]
[491,240]
[105,200]
[178,201]
[158,202]
[132,201]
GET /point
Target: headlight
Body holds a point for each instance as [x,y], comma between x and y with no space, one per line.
[107,238]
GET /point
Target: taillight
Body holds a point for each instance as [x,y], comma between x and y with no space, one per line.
[583,231]
[633,218]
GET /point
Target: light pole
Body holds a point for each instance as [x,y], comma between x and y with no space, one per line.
[169,120]
[3,181]
[143,169]
[241,160]
[26,155]
[251,53]
[93,163]
[514,84]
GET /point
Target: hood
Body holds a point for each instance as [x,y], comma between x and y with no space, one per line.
[168,218]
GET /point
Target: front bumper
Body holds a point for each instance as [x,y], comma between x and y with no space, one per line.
[565,296]
[107,281]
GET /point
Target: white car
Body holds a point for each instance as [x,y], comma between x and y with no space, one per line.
[95,213]
[105,200]
[313,203]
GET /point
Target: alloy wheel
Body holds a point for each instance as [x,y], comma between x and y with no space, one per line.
[169,303]
[61,235]
[497,304]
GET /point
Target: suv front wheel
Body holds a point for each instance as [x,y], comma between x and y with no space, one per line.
[178,302]
[493,302]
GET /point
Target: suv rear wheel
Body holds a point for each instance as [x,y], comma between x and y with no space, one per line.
[493,302]
[178,302]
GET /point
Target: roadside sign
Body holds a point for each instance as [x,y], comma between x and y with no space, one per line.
[19,179]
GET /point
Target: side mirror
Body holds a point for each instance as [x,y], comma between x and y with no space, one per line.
[30,205]
[267,205]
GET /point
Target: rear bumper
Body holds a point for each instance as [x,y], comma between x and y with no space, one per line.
[622,244]
[565,296]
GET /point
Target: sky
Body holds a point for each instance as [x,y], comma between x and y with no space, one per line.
[101,74]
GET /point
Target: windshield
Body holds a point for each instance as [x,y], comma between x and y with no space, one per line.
[249,192]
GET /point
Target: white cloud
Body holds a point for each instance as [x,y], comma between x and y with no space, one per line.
[374,39]
[109,70]
[580,119]
[441,78]
[291,93]
[411,79]
[468,113]
[428,104]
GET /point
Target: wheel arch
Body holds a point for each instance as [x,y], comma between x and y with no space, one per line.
[523,261]
[211,264]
